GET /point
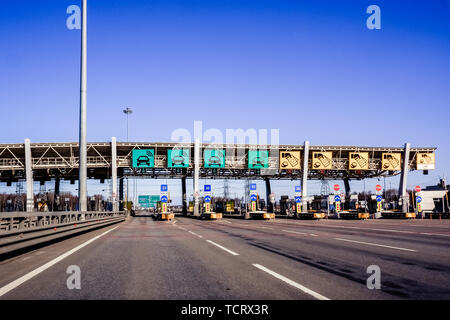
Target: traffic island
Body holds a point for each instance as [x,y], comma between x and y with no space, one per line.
[262,215]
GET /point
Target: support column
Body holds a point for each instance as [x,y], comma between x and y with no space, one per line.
[121,207]
[347,187]
[196,176]
[305,177]
[183,194]
[114,173]
[56,199]
[268,192]
[403,179]
[29,176]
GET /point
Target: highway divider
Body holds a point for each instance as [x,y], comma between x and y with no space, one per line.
[22,231]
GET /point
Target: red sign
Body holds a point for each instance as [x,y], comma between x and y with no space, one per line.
[418,189]
[378,187]
[336,187]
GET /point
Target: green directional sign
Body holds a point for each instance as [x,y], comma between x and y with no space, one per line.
[144,201]
[258,159]
[178,158]
[214,158]
[143,158]
[154,200]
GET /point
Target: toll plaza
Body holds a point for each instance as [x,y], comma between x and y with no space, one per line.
[27,162]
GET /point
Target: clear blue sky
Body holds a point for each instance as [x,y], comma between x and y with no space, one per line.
[309,68]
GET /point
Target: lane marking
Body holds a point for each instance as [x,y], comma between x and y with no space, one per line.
[265,228]
[226,221]
[435,234]
[49,264]
[375,244]
[292,283]
[195,234]
[223,248]
[314,235]
[303,233]
[390,230]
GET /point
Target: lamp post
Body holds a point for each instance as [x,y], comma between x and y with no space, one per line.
[82,192]
[127,111]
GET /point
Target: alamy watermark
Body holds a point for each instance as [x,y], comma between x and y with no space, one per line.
[374,280]
[74,279]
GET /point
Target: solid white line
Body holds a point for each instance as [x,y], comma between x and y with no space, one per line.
[435,234]
[305,234]
[35,272]
[376,244]
[223,248]
[292,283]
[390,230]
[195,234]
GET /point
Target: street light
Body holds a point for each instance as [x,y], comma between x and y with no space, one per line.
[127,111]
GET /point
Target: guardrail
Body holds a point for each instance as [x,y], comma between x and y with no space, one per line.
[23,231]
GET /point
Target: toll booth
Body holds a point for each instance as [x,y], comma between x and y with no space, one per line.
[285,205]
[164,213]
[208,213]
[254,213]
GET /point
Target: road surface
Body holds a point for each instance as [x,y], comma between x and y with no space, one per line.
[239,259]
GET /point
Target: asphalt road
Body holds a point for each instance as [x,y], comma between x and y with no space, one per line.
[240,259]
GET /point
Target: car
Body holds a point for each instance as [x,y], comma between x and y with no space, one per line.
[143,160]
[258,161]
[178,161]
[214,161]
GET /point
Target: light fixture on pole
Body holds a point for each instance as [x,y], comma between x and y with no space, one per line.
[127,111]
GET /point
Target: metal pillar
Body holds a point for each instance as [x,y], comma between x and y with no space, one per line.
[121,206]
[82,184]
[114,173]
[183,194]
[403,195]
[268,192]
[347,186]
[196,175]
[56,200]
[305,177]
[29,176]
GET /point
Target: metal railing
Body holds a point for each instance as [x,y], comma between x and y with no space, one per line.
[21,222]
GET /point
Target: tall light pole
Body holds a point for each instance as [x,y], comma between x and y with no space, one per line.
[127,111]
[82,194]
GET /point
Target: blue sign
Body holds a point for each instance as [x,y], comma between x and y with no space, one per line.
[207,198]
[207,187]
[253,197]
[379,198]
[337,198]
[253,186]
[298,199]
[419,199]
[298,189]
[164,199]
[164,187]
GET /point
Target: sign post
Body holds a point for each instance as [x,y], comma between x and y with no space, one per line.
[164,198]
[337,198]
[298,199]
[419,199]
[379,197]
[253,196]
[207,198]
